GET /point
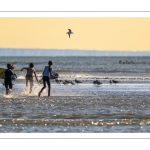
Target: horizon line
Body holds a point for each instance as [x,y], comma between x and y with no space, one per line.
[76,49]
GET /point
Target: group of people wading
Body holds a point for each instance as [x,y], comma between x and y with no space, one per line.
[9,75]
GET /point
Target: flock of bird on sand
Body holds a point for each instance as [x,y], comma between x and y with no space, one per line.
[95,82]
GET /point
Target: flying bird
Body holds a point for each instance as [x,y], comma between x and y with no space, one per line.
[69,32]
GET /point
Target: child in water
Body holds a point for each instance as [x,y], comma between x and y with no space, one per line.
[46,77]
[9,76]
[29,76]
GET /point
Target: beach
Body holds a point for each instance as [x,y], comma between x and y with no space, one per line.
[79,108]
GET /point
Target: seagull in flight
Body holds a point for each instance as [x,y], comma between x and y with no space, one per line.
[69,32]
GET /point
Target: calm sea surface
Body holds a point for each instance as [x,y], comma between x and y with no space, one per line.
[84,107]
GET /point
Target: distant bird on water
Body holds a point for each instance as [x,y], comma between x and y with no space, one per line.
[110,82]
[72,83]
[77,81]
[113,81]
[69,32]
[94,82]
[58,81]
[98,82]
[65,83]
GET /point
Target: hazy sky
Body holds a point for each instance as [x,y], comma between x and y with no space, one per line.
[89,33]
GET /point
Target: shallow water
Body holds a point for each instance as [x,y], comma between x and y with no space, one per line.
[85,107]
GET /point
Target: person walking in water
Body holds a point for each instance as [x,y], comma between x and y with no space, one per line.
[46,77]
[29,76]
[9,76]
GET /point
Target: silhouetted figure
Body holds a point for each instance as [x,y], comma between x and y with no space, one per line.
[8,78]
[29,76]
[69,32]
[77,81]
[47,73]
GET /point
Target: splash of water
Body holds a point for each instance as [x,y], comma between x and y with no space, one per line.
[8,96]
[35,91]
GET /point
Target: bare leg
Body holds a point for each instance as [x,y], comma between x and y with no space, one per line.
[8,87]
[26,83]
[44,86]
[31,85]
[7,91]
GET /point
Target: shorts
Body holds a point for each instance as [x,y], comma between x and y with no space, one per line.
[8,84]
[30,79]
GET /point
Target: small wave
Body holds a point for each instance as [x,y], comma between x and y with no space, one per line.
[76,122]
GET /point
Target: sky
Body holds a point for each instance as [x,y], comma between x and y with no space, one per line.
[95,33]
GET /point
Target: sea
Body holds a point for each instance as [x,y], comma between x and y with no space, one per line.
[123,107]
